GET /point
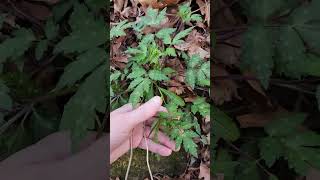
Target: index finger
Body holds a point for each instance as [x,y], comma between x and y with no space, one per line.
[145,111]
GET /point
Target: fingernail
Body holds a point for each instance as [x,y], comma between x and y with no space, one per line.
[166,152]
[156,99]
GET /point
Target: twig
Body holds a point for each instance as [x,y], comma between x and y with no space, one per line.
[250,157]
[131,155]
[14,119]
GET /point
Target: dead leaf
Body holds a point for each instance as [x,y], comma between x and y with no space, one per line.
[39,12]
[204,172]
[119,5]
[254,84]
[313,174]
[224,90]
[259,119]
[50,2]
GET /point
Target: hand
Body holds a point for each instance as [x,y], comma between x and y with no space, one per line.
[127,121]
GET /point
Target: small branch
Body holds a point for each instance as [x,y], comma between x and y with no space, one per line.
[24,111]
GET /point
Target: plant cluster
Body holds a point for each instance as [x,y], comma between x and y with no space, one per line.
[73,40]
[281,39]
[146,75]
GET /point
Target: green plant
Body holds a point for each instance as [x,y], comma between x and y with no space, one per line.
[187,15]
[280,42]
[146,75]
[281,47]
[72,40]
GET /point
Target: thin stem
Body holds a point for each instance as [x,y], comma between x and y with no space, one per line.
[14,119]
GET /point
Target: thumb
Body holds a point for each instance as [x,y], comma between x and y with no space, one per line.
[145,111]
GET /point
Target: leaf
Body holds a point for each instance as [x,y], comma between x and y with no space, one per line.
[15,47]
[165,35]
[84,64]
[96,5]
[5,99]
[224,127]
[135,82]
[188,143]
[262,9]
[304,20]
[118,30]
[157,75]
[257,53]
[285,125]
[2,18]
[291,53]
[138,92]
[60,10]
[271,150]
[194,60]
[171,52]
[196,17]
[41,48]
[200,105]
[223,164]
[137,71]
[87,99]
[190,78]
[177,39]
[51,30]
[87,32]
[173,97]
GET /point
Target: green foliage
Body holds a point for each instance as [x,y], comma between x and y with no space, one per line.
[286,141]
[281,48]
[72,40]
[118,30]
[15,47]
[187,15]
[87,32]
[5,99]
[146,75]
[91,96]
[198,72]
[225,128]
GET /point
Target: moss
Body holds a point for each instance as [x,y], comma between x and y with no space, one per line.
[172,165]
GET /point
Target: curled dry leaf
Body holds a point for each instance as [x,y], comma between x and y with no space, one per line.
[259,119]
[50,2]
[204,172]
[224,90]
[204,6]
[37,11]
[195,43]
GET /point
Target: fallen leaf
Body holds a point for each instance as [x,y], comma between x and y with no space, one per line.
[258,119]
[50,2]
[39,12]
[204,172]
[223,90]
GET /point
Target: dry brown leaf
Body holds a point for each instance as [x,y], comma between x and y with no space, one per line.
[37,11]
[313,174]
[204,9]
[258,119]
[224,90]
[255,84]
[50,2]
[119,5]
[204,172]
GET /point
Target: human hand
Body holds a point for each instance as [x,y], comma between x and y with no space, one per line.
[127,121]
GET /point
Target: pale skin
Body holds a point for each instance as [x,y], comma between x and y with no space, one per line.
[51,158]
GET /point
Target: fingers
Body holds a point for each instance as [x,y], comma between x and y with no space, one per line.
[123,109]
[163,139]
[145,111]
[155,148]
